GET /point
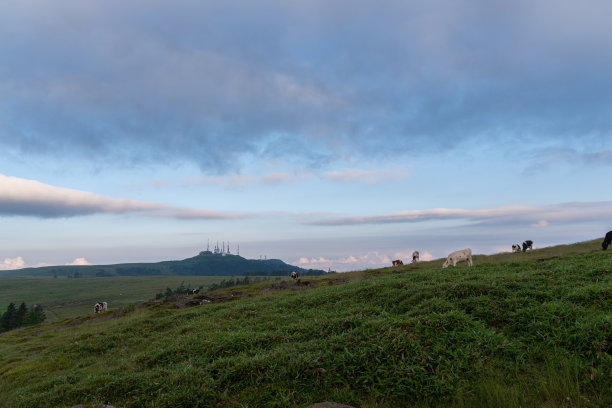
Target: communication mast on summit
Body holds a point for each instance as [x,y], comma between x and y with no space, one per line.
[223,250]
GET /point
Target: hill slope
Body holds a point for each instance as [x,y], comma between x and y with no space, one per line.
[201,265]
[511,333]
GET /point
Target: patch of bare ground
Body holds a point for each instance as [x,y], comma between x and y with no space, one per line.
[337,281]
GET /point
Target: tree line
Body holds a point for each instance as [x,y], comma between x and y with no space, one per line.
[15,317]
[184,290]
[246,280]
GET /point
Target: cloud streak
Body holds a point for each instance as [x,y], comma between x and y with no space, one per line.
[376,176]
[22,197]
[276,179]
[536,216]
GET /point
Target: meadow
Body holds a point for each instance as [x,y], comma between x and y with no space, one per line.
[528,330]
[69,298]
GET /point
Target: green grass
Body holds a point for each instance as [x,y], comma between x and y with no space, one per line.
[65,298]
[534,331]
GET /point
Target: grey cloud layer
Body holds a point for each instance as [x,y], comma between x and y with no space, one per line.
[214,82]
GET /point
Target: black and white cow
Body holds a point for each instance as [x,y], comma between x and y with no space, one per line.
[516,248]
[527,245]
[415,257]
[397,262]
[607,240]
[294,275]
[100,307]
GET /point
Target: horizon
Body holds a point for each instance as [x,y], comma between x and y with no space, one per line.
[331,136]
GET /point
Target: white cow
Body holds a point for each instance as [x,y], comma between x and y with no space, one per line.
[415,257]
[100,307]
[294,275]
[459,256]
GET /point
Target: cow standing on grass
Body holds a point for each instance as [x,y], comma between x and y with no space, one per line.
[100,307]
[607,240]
[397,262]
[294,275]
[415,257]
[458,256]
[527,245]
[516,248]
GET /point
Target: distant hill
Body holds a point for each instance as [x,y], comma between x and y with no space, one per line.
[204,264]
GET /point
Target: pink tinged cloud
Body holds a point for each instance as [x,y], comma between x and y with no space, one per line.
[79,261]
[29,197]
[24,197]
[239,181]
[370,259]
[12,263]
[354,175]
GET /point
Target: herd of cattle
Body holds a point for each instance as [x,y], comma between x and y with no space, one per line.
[464,255]
[415,259]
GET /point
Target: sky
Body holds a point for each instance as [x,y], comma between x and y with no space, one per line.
[336,135]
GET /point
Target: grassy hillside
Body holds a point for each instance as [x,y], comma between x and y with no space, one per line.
[511,331]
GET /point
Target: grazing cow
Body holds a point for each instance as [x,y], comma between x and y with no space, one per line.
[397,262]
[415,257]
[459,256]
[100,307]
[194,291]
[294,275]
[516,248]
[607,240]
[527,245]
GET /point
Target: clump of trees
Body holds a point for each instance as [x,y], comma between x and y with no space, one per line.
[15,317]
[170,293]
[236,282]
[184,290]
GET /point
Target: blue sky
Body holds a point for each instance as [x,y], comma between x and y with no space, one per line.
[334,135]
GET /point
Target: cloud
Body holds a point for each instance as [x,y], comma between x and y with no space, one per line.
[22,197]
[200,214]
[426,256]
[603,157]
[239,181]
[376,176]
[274,179]
[537,216]
[12,263]
[313,84]
[370,259]
[79,261]
[29,197]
